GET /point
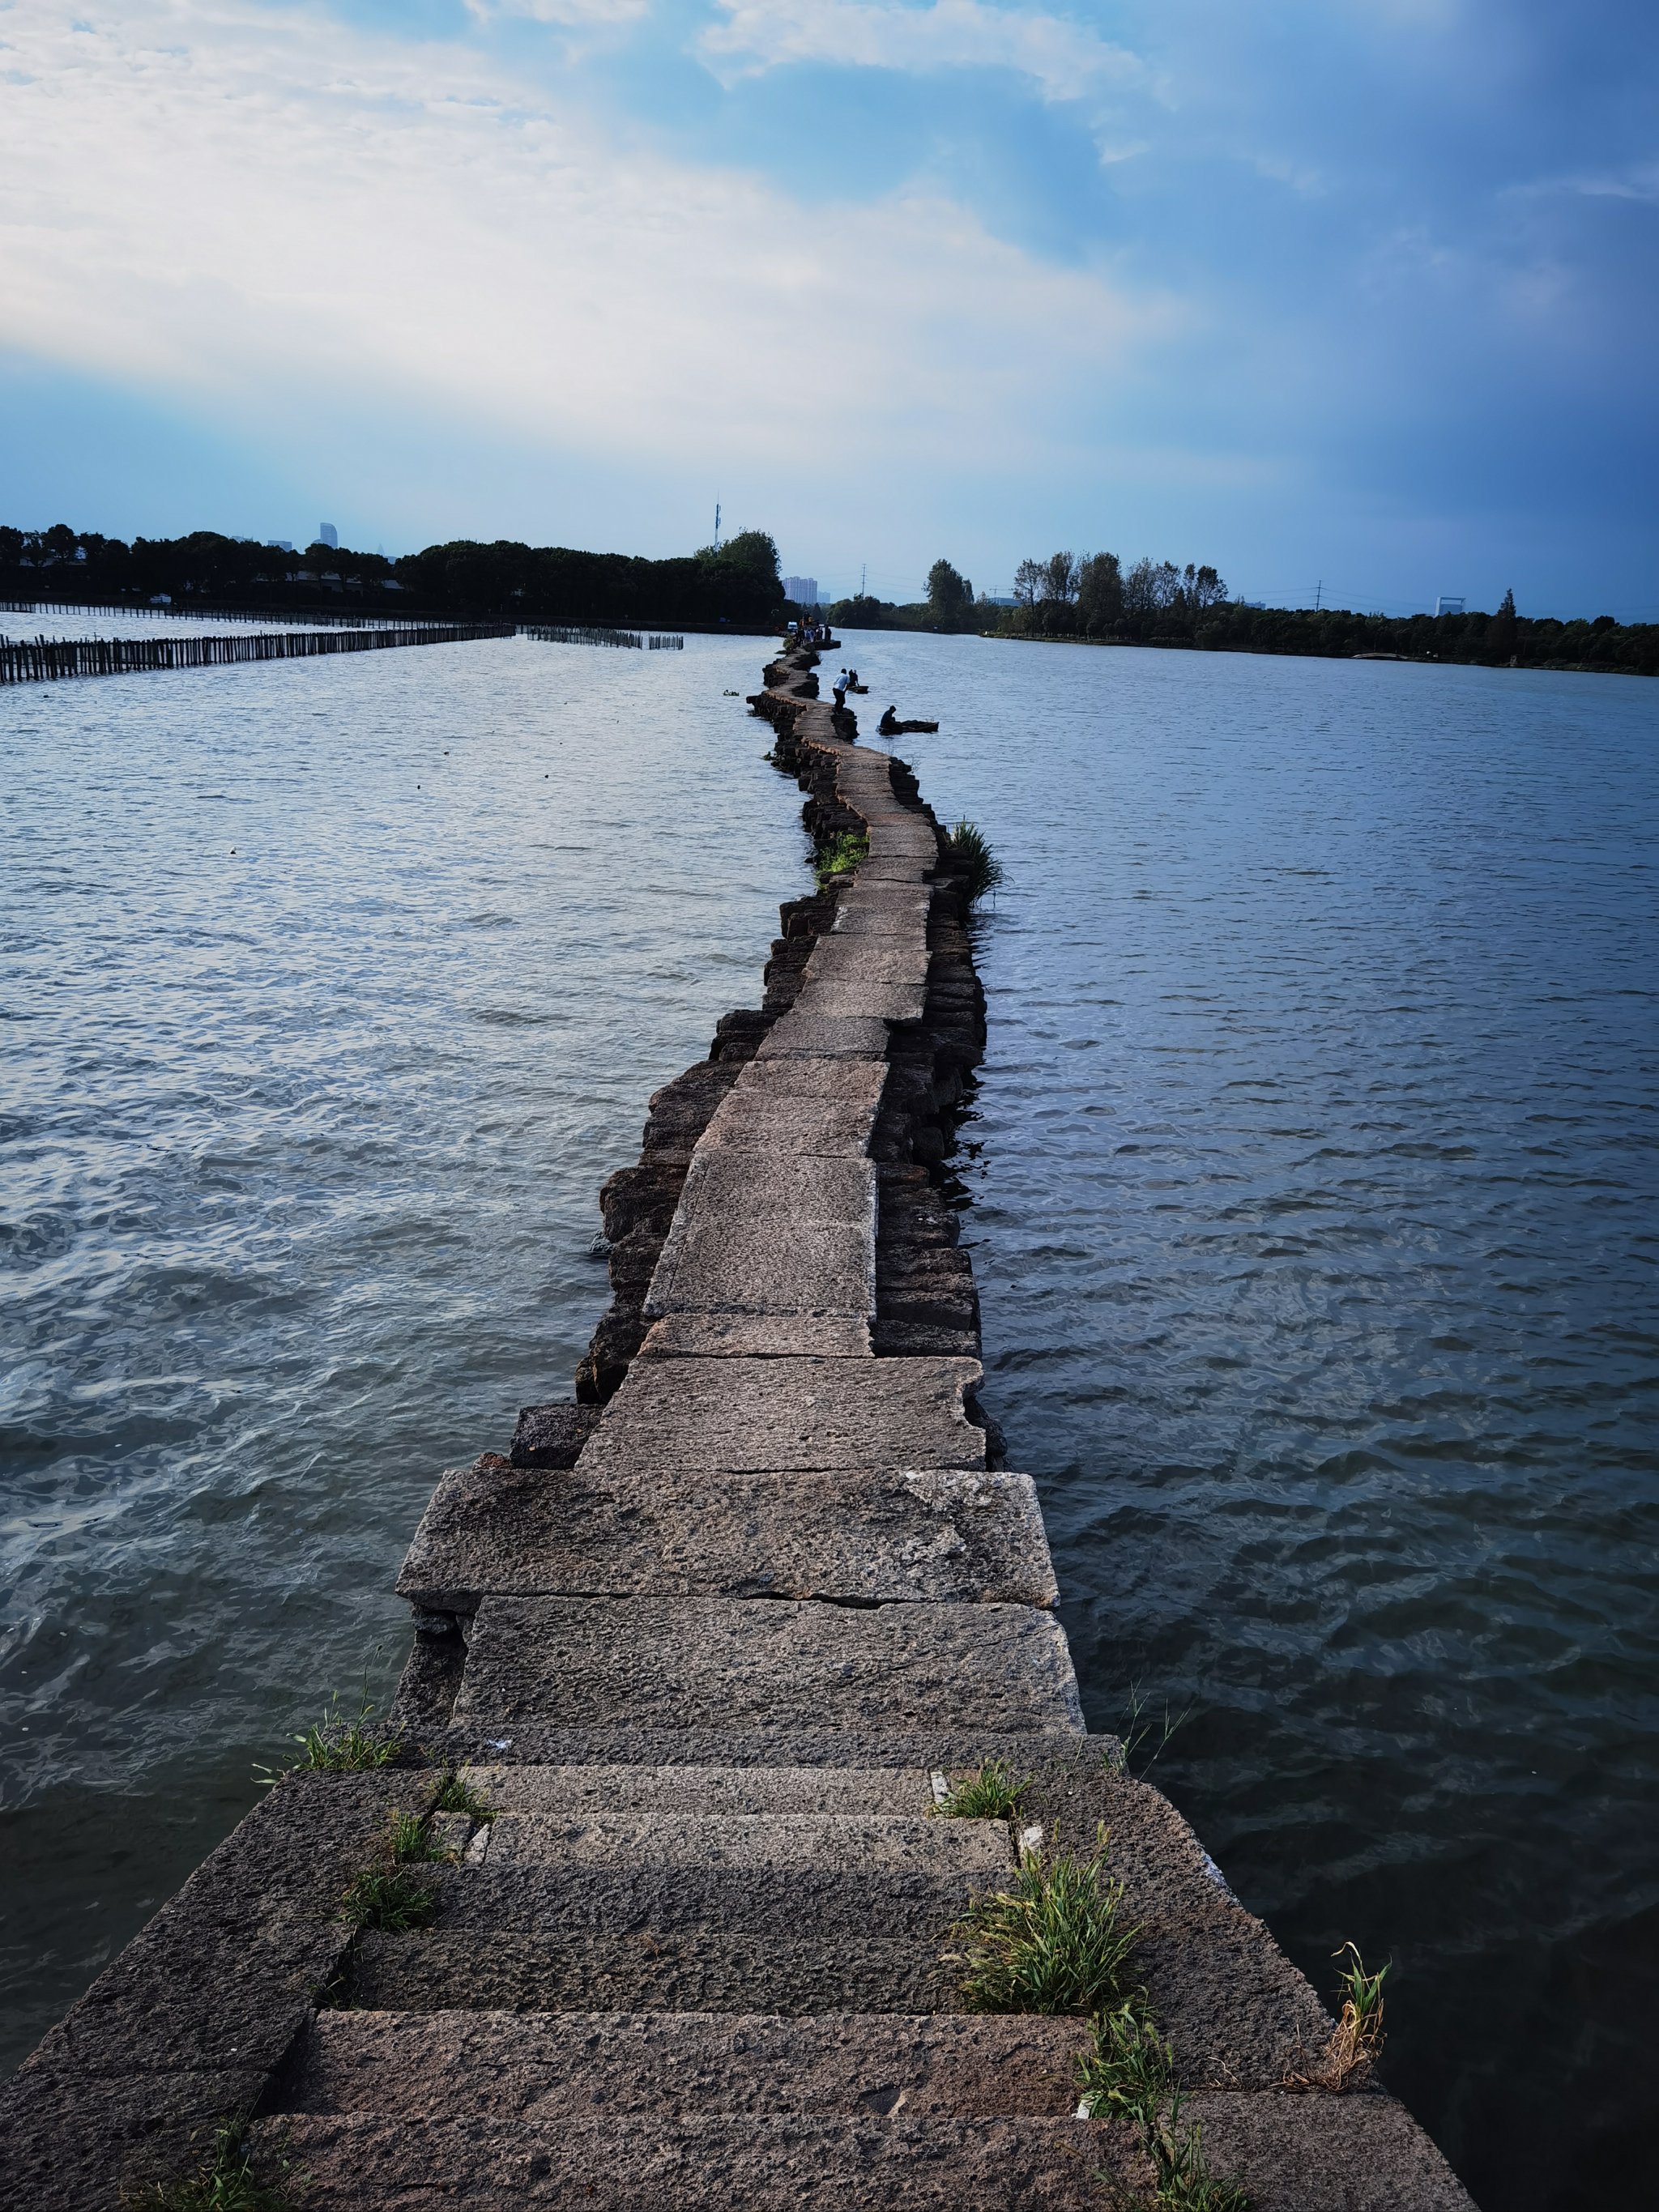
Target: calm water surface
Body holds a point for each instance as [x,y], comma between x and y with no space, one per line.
[332,992]
[1314,1175]
[1312,1182]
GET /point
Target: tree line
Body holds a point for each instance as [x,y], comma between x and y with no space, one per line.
[735,584]
[1092,597]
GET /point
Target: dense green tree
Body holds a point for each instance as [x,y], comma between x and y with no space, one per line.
[948,591]
[1099,591]
[1499,642]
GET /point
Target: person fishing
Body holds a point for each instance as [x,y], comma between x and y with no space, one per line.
[840,688]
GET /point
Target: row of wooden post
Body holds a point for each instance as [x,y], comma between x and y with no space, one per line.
[45,659]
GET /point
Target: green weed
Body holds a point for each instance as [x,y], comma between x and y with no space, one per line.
[413,1844]
[1139,1730]
[970,852]
[840,854]
[455,1796]
[341,1743]
[394,1898]
[993,1794]
[1056,1942]
[226,2183]
[1128,2074]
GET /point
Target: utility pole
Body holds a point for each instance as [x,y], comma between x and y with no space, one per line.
[717,525]
[862,565]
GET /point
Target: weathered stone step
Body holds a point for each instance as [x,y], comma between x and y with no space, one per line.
[482,1905]
[768,1416]
[918,1534]
[704,1663]
[762,1121]
[557,2065]
[692,1970]
[774,1842]
[770,1232]
[646,2164]
[618,1789]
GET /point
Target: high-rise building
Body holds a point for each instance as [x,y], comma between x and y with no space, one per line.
[328,535]
[1443,605]
[803,590]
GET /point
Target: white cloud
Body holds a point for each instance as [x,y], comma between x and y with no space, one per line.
[1639,181]
[259,208]
[1067,61]
[575,14]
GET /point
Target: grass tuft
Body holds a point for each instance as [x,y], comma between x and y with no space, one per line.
[341,1743]
[992,1794]
[455,1796]
[413,1844]
[1057,1942]
[1128,2074]
[394,1898]
[971,853]
[840,854]
[225,2183]
[1139,1730]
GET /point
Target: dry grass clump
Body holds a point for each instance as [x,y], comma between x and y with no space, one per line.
[1357,2041]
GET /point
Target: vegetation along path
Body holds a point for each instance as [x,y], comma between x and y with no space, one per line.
[737,1839]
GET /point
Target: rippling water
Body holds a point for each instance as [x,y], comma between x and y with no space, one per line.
[1314,1179]
[332,992]
[1311,1181]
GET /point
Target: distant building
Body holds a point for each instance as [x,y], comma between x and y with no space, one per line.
[997,599]
[280,545]
[1443,606]
[328,535]
[803,590]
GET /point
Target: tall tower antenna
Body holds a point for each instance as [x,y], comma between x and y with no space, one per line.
[861,569]
[717,525]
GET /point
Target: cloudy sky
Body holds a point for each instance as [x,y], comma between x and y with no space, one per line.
[1356,293]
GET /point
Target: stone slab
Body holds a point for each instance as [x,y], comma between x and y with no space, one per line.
[921,1534]
[704,1789]
[838,1001]
[492,1907]
[770,1232]
[552,1435]
[778,2163]
[753,1120]
[1238,2012]
[901,921]
[853,1083]
[693,1661]
[777,1842]
[196,2013]
[650,1971]
[763,1416]
[758,1336]
[855,960]
[536,1743]
[1323,2153]
[571,2065]
[824,1037]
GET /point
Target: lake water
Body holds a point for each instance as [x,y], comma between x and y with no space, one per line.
[1311,1181]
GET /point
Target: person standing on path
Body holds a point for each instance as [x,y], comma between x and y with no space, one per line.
[840,688]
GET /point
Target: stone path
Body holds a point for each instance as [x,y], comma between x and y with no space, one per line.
[710,1645]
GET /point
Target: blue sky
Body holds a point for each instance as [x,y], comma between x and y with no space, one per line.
[1363,294]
